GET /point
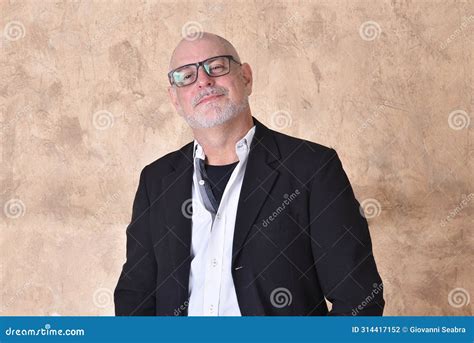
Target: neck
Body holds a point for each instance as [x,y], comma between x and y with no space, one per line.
[219,142]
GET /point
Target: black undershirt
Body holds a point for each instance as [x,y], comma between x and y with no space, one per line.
[218,177]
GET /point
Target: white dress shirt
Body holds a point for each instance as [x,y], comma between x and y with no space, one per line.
[211,287]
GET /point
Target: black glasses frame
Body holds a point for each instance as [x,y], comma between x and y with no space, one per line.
[197,65]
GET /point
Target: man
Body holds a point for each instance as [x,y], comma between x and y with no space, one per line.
[274,228]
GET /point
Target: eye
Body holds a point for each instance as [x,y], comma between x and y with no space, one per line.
[183,75]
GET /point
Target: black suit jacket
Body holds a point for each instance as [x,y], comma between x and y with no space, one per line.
[299,236]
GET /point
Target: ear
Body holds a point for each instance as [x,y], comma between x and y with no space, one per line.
[247,77]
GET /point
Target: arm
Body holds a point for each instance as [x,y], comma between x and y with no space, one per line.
[341,244]
[135,291]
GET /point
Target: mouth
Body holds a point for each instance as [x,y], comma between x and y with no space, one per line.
[209,98]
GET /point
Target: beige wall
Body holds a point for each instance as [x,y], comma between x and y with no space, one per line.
[83,103]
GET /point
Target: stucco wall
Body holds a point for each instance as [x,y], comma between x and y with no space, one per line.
[83,103]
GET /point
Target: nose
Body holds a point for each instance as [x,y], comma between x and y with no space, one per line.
[203,79]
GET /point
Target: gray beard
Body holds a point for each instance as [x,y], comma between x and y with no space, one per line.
[224,113]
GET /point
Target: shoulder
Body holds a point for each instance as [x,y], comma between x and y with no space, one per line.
[167,163]
[294,148]
[309,162]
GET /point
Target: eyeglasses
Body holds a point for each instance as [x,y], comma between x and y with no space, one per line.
[214,67]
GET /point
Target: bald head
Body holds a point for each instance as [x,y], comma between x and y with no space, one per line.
[195,49]
[210,100]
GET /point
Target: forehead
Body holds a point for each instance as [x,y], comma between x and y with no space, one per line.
[194,51]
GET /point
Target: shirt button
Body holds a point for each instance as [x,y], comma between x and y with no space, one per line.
[218,216]
[202,182]
[214,262]
[211,308]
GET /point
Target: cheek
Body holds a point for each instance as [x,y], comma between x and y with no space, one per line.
[237,95]
[184,101]
[236,90]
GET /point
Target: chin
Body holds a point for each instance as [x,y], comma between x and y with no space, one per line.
[209,120]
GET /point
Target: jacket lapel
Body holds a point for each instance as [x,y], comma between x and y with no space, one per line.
[257,184]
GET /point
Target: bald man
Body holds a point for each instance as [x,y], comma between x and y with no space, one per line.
[243,220]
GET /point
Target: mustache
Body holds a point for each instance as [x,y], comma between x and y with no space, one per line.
[207,92]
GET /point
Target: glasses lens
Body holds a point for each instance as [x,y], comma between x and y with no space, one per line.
[217,66]
[184,76]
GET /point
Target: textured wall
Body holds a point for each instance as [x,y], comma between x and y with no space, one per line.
[83,103]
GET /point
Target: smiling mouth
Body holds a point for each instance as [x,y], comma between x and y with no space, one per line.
[209,98]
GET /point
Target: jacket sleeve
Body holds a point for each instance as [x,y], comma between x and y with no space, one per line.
[135,291]
[341,243]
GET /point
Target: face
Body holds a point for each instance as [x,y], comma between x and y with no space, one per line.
[210,101]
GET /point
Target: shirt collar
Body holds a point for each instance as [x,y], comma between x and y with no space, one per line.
[242,146]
